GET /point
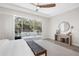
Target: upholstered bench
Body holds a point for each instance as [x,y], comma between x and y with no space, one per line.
[37,49]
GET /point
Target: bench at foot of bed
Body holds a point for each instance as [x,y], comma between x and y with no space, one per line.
[37,49]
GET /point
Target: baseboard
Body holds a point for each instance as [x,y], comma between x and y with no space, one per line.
[48,38]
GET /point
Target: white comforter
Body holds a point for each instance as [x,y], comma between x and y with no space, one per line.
[14,48]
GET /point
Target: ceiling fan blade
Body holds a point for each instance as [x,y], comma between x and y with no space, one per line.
[44,5]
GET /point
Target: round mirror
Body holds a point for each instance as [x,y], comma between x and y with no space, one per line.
[64,26]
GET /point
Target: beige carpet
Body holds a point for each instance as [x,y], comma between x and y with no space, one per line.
[56,50]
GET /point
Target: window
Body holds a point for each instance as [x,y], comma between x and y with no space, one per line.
[24,25]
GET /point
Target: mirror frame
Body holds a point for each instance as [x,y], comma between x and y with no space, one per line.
[65,23]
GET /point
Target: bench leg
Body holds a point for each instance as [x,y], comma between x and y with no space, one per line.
[45,53]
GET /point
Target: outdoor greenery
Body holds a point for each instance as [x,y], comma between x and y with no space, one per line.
[25,25]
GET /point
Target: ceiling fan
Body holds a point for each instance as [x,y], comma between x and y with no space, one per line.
[44,5]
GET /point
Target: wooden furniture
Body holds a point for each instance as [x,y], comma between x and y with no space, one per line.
[65,39]
[37,49]
[64,33]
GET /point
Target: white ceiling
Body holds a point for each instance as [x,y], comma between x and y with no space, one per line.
[48,12]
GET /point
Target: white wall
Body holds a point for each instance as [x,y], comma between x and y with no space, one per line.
[72,17]
[7,22]
[6,26]
[45,28]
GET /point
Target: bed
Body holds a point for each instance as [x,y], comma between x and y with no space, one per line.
[14,48]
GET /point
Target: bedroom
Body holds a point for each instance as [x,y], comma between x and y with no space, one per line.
[49,18]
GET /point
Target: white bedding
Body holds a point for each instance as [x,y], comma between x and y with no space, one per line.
[14,48]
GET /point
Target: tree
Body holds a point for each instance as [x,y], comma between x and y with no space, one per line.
[25,25]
